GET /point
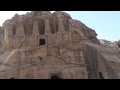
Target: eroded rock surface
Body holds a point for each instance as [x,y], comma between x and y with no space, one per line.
[44,45]
[1,35]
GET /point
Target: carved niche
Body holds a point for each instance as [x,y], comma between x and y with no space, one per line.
[75,37]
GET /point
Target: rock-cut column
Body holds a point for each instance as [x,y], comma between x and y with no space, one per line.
[35,28]
[47,27]
[49,37]
[20,27]
[48,32]
[20,35]
[60,33]
[8,34]
[35,34]
[61,28]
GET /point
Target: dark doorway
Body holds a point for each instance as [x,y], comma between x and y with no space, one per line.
[100,75]
[12,78]
[42,42]
[119,45]
[55,77]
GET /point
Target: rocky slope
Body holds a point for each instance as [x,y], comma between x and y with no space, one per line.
[102,59]
[106,43]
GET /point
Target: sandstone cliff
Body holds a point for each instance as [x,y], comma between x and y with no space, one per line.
[41,44]
[102,59]
[106,43]
[23,25]
[1,35]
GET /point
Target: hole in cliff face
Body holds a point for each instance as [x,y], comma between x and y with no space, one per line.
[100,75]
[40,58]
[119,45]
[41,26]
[12,78]
[55,77]
[41,42]
[14,29]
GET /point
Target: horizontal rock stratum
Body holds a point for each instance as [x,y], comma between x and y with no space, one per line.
[45,45]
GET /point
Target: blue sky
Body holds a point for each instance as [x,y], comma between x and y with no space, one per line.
[105,23]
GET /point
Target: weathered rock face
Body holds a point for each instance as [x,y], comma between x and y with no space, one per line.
[22,30]
[1,35]
[118,43]
[103,62]
[109,44]
[42,45]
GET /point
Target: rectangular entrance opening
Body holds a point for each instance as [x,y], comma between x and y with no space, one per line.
[41,42]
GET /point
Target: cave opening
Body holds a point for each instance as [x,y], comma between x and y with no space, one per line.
[100,75]
[12,78]
[42,42]
[55,77]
